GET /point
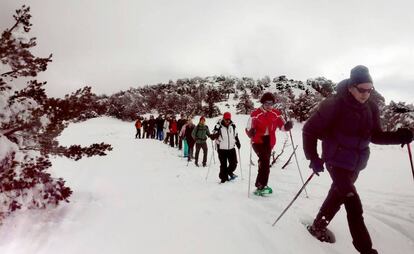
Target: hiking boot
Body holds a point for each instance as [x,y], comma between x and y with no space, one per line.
[196,163]
[223,180]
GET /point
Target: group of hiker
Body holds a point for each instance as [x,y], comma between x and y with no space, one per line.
[346,123]
[185,135]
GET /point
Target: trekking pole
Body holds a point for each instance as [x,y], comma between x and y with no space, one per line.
[241,170]
[296,157]
[297,195]
[250,170]
[209,165]
[297,163]
[411,158]
[212,146]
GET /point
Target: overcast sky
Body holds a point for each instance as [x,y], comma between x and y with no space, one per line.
[114,45]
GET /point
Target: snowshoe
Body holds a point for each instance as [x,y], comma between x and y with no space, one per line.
[263,192]
[322,234]
[232,177]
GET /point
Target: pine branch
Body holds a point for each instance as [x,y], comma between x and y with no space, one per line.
[280,154]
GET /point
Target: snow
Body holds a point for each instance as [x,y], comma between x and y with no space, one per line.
[143,198]
[7,147]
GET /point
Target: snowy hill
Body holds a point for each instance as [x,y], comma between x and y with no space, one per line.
[143,198]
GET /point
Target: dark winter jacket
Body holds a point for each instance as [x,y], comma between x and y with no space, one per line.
[346,127]
[145,124]
[186,133]
[180,123]
[159,123]
[200,133]
[151,124]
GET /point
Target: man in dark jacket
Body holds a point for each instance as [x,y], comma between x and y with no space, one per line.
[159,122]
[151,127]
[180,124]
[186,134]
[346,123]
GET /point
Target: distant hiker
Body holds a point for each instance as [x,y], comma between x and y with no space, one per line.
[180,124]
[138,125]
[200,134]
[151,127]
[173,131]
[186,134]
[167,129]
[145,128]
[261,129]
[226,138]
[346,123]
[159,123]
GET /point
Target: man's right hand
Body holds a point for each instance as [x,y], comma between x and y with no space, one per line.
[251,133]
[317,165]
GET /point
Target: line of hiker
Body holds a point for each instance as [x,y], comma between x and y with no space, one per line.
[346,124]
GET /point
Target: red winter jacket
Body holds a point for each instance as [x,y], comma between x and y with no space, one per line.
[260,120]
[173,127]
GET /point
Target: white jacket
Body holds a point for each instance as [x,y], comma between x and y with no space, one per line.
[227,135]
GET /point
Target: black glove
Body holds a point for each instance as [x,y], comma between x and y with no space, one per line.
[214,136]
[316,165]
[405,135]
[238,144]
[251,133]
[288,125]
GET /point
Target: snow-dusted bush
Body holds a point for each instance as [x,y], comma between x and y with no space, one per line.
[30,122]
[245,105]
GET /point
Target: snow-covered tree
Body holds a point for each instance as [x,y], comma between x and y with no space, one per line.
[30,122]
[398,115]
[322,85]
[213,95]
[245,105]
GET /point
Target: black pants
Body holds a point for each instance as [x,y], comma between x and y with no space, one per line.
[167,138]
[343,191]
[263,151]
[190,149]
[138,135]
[173,139]
[180,143]
[204,147]
[231,157]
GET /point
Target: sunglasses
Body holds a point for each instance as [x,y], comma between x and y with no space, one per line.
[364,90]
[268,103]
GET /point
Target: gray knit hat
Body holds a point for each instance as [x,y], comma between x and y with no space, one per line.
[360,74]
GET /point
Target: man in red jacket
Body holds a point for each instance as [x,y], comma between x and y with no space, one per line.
[261,129]
[173,132]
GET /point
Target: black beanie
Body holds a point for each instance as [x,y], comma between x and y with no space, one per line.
[267,97]
[359,75]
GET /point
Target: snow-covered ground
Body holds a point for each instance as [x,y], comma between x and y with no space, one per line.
[143,198]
